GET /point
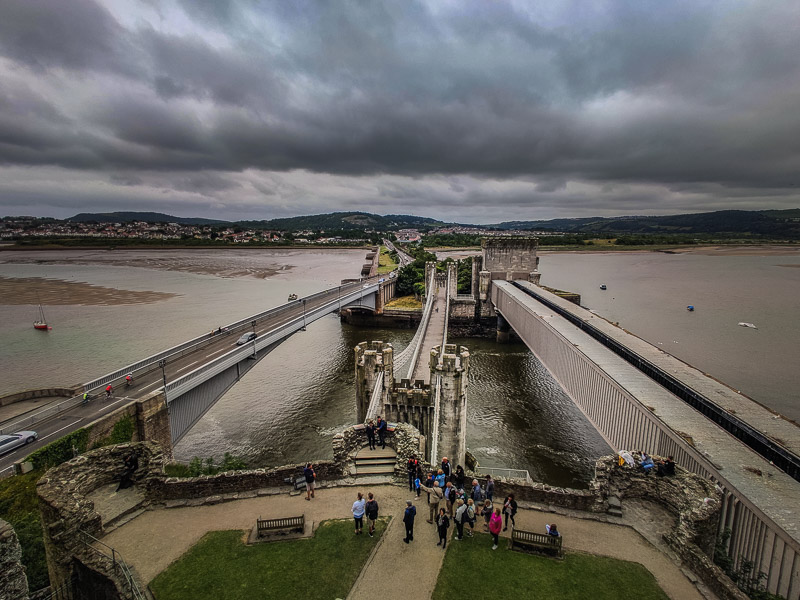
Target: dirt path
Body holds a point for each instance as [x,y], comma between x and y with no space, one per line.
[156,538]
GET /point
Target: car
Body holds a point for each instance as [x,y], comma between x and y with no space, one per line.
[247,337]
[15,440]
[381,280]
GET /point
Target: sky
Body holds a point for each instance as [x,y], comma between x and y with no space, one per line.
[468,111]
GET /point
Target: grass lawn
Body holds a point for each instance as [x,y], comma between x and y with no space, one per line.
[404,303]
[385,262]
[222,567]
[472,569]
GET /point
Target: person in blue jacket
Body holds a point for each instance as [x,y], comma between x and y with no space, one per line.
[408,519]
[382,432]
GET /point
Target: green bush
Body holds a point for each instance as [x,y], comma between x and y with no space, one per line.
[19,505]
[60,450]
[197,466]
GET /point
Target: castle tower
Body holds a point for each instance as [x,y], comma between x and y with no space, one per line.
[371,360]
[453,370]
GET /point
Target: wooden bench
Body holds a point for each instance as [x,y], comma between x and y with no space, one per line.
[282,525]
[540,543]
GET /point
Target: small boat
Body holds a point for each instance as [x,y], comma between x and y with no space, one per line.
[750,325]
[292,297]
[41,323]
[603,287]
[690,308]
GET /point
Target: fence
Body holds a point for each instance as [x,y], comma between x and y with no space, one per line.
[505,473]
[118,564]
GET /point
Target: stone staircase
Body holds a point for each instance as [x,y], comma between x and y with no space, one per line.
[375,462]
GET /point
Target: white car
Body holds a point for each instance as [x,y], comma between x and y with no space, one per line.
[15,440]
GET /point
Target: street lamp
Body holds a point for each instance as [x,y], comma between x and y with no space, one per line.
[163,364]
[304,314]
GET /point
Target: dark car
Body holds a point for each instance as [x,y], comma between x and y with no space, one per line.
[15,440]
[247,337]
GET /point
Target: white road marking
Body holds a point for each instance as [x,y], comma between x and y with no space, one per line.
[190,365]
[113,403]
[62,429]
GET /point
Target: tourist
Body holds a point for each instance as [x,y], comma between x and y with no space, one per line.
[435,496]
[310,477]
[666,468]
[470,514]
[371,434]
[371,508]
[408,519]
[446,467]
[489,487]
[429,481]
[509,510]
[417,482]
[440,478]
[495,523]
[358,512]
[487,510]
[449,497]
[552,530]
[460,477]
[461,510]
[411,466]
[477,492]
[647,463]
[442,523]
[382,432]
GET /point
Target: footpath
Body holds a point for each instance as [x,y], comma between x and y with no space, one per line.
[156,538]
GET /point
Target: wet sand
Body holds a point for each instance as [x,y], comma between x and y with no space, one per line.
[36,290]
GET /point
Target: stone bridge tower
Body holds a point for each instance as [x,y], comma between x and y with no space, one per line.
[453,370]
[372,359]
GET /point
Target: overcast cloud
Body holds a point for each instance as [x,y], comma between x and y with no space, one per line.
[470,111]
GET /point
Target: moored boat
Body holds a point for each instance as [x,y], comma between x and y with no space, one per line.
[41,322]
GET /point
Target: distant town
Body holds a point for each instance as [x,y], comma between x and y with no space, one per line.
[33,228]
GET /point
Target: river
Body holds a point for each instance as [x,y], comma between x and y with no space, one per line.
[110,308]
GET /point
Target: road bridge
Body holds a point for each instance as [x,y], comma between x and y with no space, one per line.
[193,375]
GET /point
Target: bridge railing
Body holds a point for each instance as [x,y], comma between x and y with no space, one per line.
[408,357]
[507,473]
[43,413]
[207,371]
[374,408]
[193,344]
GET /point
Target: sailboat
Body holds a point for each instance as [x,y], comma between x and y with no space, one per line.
[41,323]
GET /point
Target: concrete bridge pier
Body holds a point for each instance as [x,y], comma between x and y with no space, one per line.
[503,329]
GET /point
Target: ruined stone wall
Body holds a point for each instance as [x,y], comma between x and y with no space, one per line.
[231,485]
[13,583]
[454,372]
[67,513]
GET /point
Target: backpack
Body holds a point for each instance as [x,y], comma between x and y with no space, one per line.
[372,509]
[470,512]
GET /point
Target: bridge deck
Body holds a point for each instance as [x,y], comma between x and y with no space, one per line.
[433,336]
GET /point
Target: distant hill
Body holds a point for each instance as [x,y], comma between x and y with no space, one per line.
[149,217]
[767,223]
[344,220]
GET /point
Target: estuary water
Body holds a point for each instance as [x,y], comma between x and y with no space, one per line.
[110,308]
[648,294]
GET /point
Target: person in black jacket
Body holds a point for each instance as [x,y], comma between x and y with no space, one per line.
[460,477]
[408,519]
[371,434]
[411,466]
[509,510]
[371,509]
[446,467]
[442,523]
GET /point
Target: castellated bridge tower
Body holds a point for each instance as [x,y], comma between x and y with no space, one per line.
[372,359]
[450,369]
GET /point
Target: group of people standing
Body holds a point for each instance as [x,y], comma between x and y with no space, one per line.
[447,487]
[380,429]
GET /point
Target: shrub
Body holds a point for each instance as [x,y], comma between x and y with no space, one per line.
[60,450]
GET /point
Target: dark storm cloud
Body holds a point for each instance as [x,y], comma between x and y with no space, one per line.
[691,97]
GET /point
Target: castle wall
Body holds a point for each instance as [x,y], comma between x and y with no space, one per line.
[13,583]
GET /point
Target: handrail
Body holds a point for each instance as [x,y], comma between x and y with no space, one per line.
[446,317]
[377,394]
[117,560]
[522,473]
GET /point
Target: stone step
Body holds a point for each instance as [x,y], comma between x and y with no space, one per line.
[377,453]
[122,519]
[372,470]
[614,512]
[375,461]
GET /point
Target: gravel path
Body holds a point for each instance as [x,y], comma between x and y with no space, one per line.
[153,540]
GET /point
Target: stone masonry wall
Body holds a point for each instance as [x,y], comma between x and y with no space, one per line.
[67,512]
[13,583]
